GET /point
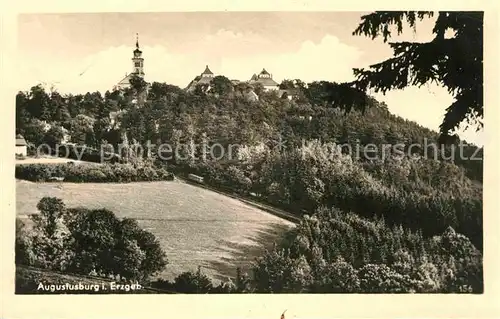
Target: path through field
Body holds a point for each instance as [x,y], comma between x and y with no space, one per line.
[195,226]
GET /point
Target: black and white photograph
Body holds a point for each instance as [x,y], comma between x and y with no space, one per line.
[249,152]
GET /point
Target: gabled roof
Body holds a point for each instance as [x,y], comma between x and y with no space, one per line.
[125,80]
[254,77]
[207,71]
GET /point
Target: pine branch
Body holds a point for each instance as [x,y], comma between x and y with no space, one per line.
[379,22]
[412,65]
[459,111]
[455,62]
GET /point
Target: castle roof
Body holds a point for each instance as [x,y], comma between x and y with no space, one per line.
[264,72]
[207,71]
[263,78]
[266,82]
[204,80]
[198,80]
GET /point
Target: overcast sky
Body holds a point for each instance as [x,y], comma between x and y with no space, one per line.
[58,48]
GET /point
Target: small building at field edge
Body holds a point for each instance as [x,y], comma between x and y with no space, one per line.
[21,146]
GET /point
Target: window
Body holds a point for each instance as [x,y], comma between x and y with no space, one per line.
[137,64]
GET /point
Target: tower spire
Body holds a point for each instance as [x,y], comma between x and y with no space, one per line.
[138,61]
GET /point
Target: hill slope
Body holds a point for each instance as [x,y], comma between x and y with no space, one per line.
[195,226]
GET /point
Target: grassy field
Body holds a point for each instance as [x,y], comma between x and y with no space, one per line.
[50,160]
[196,227]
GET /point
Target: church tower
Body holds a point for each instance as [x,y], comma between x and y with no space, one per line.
[138,60]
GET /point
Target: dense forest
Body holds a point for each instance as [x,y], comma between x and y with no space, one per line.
[399,216]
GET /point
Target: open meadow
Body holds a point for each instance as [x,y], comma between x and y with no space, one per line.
[50,160]
[195,226]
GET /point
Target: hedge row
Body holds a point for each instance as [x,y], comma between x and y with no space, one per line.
[91,173]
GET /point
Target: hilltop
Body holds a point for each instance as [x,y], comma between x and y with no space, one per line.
[284,153]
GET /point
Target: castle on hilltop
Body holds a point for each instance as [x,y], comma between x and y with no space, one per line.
[264,78]
[205,77]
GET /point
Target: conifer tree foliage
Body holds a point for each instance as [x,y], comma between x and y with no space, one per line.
[138,83]
[335,252]
[454,62]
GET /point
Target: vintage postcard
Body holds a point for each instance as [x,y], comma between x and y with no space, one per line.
[312,154]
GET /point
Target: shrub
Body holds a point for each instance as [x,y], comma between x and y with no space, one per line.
[189,282]
[105,173]
[195,283]
[88,241]
[24,246]
[382,279]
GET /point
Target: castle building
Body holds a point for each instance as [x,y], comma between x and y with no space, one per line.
[138,67]
[205,77]
[266,79]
